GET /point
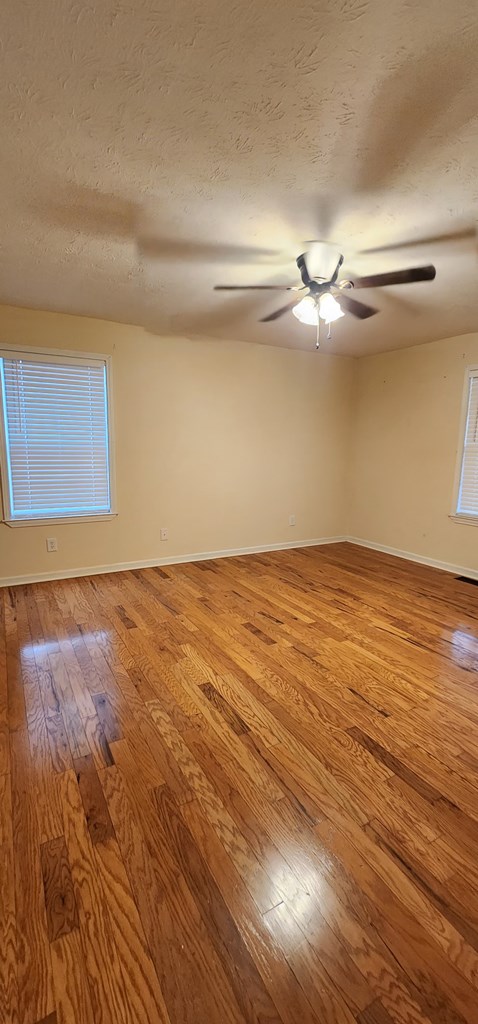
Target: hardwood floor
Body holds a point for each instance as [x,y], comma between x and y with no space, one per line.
[241,790]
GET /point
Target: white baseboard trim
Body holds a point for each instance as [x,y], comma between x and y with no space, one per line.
[149,563]
[410,556]
[201,556]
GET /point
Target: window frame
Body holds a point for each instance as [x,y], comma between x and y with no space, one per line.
[56,355]
[462,517]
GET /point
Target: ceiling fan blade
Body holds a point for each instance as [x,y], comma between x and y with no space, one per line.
[155,248]
[447,236]
[350,305]
[304,273]
[336,271]
[396,277]
[255,288]
[278,312]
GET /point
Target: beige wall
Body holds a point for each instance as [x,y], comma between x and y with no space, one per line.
[220,442]
[406,437]
[217,441]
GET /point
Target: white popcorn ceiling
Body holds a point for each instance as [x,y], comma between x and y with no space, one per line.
[225,130]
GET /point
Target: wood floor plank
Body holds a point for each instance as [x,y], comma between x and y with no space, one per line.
[94,803]
[335,904]
[13,671]
[254,715]
[73,996]
[57,680]
[188,969]
[107,717]
[225,709]
[375,1014]
[326,1000]
[433,975]
[142,751]
[4,729]
[8,940]
[58,740]
[288,783]
[241,790]
[98,744]
[99,951]
[145,998]
[445,934]
[260,886]
[33,959]
[252,997]
[395,764]
[277,975]
[249,811]
[46,799]
[376,963]
[61,909]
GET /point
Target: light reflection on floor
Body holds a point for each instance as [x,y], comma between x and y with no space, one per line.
[54,646]
[464,640]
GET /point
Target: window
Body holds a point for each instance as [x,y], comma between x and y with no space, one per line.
[55,436]
[467,499]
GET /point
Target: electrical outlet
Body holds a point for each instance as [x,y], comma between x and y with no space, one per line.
[163,534]
[291,520]
[51,544]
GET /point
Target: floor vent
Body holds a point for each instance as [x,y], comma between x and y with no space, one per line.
[467,579]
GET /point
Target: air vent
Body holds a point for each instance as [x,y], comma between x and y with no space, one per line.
[467,579]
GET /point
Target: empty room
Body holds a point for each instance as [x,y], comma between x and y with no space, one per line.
[238,512]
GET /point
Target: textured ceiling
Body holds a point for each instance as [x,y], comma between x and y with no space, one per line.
[225,134]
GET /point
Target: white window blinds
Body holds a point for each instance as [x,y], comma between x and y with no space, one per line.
[468,490]
[55,425]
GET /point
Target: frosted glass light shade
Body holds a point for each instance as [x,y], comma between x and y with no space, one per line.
[329,308]
[307,311]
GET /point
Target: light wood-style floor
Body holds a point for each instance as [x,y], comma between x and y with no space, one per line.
[241,790]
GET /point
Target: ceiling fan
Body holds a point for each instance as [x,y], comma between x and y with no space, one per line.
[328,300]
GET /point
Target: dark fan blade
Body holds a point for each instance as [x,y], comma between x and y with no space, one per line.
[350,305]
[254,287]
[446,236]
[278,312]
[336,271]
[396,277]
[304,273]
[207,252]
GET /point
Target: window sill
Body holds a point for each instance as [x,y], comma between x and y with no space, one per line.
[464,520]
[103,518]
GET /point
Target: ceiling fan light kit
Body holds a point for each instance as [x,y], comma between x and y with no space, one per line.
[330,300]
[309,309]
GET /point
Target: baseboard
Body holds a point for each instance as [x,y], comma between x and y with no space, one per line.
[200,556]
[148,563]
[410,556]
